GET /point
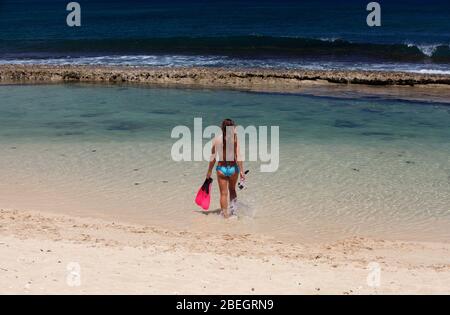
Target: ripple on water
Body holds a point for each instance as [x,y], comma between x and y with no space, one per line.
[124,125]
[65,124]
[164,112]
[340,123]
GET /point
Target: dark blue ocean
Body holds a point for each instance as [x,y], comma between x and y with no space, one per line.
[414,35]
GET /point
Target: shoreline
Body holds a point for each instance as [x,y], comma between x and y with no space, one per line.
[119,256]
[54,164]
[122,258]
[333,83]
[88,178]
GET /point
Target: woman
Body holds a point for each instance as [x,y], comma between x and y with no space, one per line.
[229,165]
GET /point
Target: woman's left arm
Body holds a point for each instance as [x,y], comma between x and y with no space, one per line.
[239,159]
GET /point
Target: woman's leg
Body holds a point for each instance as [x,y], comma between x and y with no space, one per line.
[223,188]
[232,189]
[232,185]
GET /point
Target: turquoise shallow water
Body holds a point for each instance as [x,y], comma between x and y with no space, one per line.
[364,166]
[80,112]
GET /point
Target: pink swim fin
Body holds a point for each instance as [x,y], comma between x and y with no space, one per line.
[207,198]
[199,198]
[203,197]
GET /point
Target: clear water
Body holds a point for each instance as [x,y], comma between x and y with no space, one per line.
[358,166]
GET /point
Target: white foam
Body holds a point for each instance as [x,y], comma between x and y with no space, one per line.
[329,39]
[430,71]
[129,60]
[426,49]
[225,61]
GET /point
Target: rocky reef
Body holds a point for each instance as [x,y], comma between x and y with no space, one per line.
[209,77]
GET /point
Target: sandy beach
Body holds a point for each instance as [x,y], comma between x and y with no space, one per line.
[40,250]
